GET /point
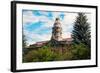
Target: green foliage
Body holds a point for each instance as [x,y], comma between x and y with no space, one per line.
[24,44]
[47,53]
[80,51]
[81,32]
[24,41]
[42,54]
[68,55]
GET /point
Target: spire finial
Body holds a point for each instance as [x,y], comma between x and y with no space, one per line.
[57,18]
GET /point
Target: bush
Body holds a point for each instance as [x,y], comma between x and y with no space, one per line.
[29,55]
[80,51]
[47,53]
[68,56]
[42,54]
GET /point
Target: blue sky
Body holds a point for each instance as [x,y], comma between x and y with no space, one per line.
[37,25]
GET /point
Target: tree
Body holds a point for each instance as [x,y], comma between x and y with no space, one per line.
[81,32]
[24,41]
[24,44]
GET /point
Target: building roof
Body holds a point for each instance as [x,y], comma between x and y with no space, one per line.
[67,39]
[38,44]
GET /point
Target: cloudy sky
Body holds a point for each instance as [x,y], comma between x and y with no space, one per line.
[37,25]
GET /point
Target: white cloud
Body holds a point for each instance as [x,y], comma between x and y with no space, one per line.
[56,14]
[89,18]
[34,37]
[28,17]
[69,18]
[67,24]
[66,35]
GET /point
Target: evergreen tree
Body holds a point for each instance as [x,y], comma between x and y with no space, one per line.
[24,44]
[81,32]
[24,41]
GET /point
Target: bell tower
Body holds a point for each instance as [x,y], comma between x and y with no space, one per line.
[57,30]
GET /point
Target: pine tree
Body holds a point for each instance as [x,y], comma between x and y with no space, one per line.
[24,41]
[24,44]
[81,32]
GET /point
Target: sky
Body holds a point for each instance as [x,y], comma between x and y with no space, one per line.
[37,25]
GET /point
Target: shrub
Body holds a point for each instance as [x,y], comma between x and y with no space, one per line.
[80,51]
[68,56]
[47,53]
[42,54]
[29,56]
